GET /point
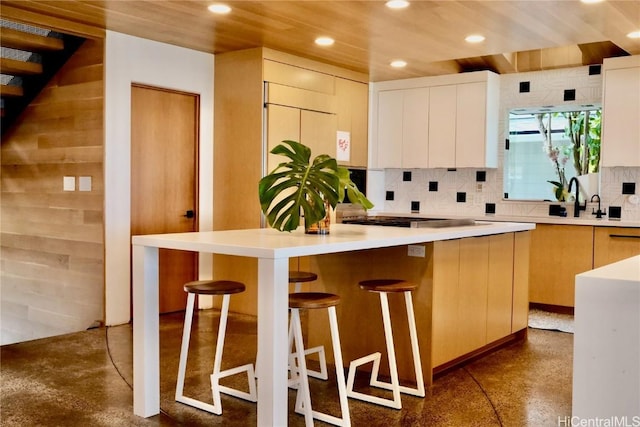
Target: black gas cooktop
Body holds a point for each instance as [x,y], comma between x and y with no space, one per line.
[391,221]
[398,221]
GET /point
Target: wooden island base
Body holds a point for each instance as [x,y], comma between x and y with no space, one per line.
[445,368]
[472,299]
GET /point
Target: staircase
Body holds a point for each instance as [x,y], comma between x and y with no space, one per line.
[30,57]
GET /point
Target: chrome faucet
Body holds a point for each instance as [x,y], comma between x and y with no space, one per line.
[576,204]
[599,213]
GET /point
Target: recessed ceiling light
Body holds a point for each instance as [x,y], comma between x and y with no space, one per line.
[634,35]
[397,4]
[474,38]
[219,8]
[398,63]
[590,1]
[324,41]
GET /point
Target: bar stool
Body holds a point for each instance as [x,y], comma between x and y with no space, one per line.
[384,287]
[299,374]
[298,278]
[213,287]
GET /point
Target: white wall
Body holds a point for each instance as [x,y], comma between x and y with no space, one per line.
[134,60]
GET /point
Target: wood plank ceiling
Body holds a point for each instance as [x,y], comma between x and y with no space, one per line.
[429,35]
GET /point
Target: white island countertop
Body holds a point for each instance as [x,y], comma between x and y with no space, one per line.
[273,249]
[606,344]
[270,243]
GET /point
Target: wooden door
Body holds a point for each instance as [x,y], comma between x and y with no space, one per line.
[163,180]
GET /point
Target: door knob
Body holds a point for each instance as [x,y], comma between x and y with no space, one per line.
[189,214]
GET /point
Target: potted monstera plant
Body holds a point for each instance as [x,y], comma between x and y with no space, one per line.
[300,185]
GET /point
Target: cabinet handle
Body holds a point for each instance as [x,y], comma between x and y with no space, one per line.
[624,236]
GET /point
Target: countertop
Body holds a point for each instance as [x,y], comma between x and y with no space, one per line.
[603,222]
[606,343]
[270,243]
[625,271]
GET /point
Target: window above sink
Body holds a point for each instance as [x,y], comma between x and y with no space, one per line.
[547,147]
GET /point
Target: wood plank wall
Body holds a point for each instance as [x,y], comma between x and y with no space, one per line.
[52,245]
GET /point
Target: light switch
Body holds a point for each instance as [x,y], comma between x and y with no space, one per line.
[85,183]
[68,183]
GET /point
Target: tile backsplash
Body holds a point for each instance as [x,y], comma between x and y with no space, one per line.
[480,191]
[481,197]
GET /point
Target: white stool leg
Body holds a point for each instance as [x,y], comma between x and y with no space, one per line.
[186,335]
[217,358]
[322,374]
[184,349]
[415,349]
[394,386]
[303,396]
[391,352]
[216,388]
[337,355]
[415,353]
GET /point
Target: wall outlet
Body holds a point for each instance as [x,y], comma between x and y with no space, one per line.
[416,250]
[68,183]
[84,183]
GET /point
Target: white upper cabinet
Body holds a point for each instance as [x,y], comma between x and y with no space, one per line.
[621,112]
[402,128]
[477,123]
[389,129]
[415,128]
[442,131]
[436,122]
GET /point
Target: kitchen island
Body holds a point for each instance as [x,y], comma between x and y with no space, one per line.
[606,344]
[273,250]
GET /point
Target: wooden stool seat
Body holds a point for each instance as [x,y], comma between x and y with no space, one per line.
[302,276]
[311,300]
[387,285]
[214,287]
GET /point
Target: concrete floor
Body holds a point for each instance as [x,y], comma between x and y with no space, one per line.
[84,379]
